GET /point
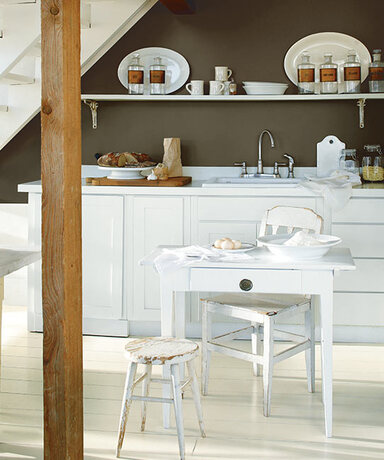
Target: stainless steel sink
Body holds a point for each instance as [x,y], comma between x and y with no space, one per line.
[251,182]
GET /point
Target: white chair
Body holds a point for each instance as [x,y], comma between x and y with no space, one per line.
[262,311]
[160,351]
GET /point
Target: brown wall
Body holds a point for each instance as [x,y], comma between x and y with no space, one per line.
[250,36]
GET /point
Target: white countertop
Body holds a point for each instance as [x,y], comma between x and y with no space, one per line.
[201,175]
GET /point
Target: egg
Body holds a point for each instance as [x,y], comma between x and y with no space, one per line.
[237,244]
[218,243]
[227,244]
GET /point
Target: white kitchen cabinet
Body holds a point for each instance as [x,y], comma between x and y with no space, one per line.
[156,221]
[102,237]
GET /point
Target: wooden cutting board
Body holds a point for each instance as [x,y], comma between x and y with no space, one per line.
[171,182]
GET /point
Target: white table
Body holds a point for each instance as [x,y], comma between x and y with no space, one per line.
[10,261]
[268,275]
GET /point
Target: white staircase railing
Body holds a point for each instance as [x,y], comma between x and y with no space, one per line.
[104,22]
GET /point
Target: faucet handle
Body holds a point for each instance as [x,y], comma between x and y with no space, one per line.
[290,165]
[276,171]
[243,165]
[289,158]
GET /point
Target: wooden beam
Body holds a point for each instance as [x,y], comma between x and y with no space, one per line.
[180,6]
[61,229]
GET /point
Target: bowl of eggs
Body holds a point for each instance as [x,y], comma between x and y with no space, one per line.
[227,244]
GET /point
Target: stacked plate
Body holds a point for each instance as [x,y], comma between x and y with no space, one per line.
[263,87]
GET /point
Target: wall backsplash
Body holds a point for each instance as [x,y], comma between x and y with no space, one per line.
[251,37]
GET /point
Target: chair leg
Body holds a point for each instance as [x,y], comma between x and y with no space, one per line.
[310,352]
[131,373]
[196,396]
[177,402]
[144,392]
[268,363]
[257,347]
[206,322]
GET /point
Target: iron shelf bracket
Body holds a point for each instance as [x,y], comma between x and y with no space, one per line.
[93,105]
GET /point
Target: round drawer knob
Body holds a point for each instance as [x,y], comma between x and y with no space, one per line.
[246,285]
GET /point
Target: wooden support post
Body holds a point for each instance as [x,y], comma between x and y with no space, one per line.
[61,229]
[180,6]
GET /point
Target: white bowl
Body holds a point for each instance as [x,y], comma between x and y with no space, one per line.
[265,89]
[260,83]
[275,243]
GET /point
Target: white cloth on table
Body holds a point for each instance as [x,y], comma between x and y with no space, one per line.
[172,259]
[336,189]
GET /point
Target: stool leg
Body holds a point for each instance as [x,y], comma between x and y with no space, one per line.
[310,352]
[175,377]
[268,363]
[131,373]
[206,323]
[144,392]
[196,396]
[257,347]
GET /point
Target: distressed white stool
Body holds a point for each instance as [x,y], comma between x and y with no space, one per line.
[160,351]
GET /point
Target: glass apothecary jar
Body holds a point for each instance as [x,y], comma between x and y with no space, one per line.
[373,164]
[348,161]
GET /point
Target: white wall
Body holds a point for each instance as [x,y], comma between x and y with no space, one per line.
[14,233]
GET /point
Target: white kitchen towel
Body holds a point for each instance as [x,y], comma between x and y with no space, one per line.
[336,189]
[172,259]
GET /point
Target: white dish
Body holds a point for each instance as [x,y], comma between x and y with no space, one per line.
[245,247]
[275,244]
[326,42]
[265,89]
[124,173]
[262,83]
[177,67]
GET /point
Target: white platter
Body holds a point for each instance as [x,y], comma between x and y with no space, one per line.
[177,67]
[275,244]
[326,42]
[124,173]
[245,247]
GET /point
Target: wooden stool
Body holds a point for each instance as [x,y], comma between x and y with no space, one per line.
[160,351]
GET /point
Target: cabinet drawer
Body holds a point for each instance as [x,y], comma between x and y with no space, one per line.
[361,210]
[368,277]
[241,208]
[363,240]
[358,309]
[228,280]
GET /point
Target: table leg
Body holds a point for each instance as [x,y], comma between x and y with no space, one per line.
[180,301]
[326,324]
[166,304]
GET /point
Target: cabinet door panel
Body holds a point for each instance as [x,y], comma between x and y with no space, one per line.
[157,221]
[368,277]
[363,240]
[361,210]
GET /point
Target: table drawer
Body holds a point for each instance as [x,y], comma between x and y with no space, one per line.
[363,240]
[230,280]
[361,210]
[249,209]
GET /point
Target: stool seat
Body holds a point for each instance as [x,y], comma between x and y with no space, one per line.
[160,350]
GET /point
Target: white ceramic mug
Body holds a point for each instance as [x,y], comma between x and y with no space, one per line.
[216,87]
[195,87]
[222,73]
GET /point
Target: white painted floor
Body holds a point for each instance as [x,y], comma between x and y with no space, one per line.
[235,426]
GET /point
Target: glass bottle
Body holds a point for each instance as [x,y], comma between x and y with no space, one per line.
[376,73]
[157,77]
[348,161]
[135,76]
[372,164]
[352,73]
[306,75]
[328,76]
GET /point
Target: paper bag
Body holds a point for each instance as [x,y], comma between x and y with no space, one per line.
[172,156]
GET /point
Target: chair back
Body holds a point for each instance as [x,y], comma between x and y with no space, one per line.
[292,218]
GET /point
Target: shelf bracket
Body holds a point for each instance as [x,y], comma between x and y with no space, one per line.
[93,105]
[361,103]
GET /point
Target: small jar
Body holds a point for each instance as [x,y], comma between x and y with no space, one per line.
[373,164]
[348,161]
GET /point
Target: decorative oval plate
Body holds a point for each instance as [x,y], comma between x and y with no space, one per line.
[245,247]
[177,67]
[326,42]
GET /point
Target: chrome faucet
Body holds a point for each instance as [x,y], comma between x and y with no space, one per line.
[260,169]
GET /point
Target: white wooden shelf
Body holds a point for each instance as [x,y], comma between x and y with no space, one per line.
[92,100]
[242,98]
